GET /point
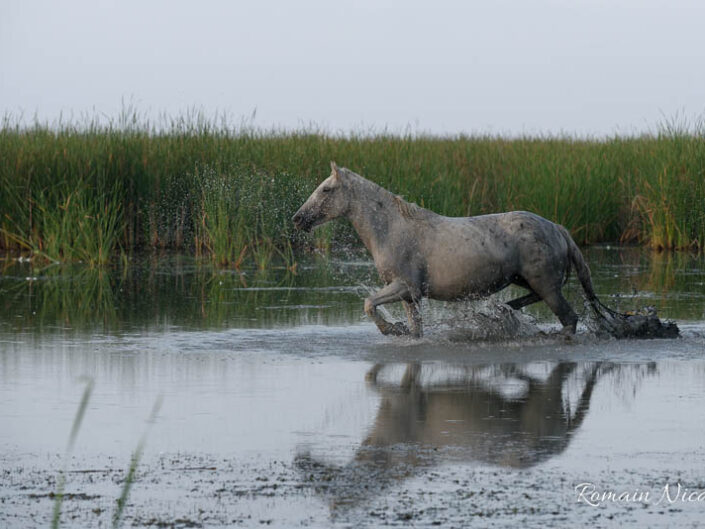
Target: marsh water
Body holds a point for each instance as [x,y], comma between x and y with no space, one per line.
[283,406]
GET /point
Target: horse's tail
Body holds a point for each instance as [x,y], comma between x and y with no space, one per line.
[581,267]
[617,324]
[583,272]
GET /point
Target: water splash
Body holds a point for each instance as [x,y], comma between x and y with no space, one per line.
[485,320]
[640,323]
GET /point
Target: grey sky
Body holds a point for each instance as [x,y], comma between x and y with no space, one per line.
[512,67]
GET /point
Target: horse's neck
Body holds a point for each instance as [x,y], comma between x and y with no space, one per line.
[369,225]
[373,222]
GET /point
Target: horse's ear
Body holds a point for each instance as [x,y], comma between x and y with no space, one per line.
[334,168]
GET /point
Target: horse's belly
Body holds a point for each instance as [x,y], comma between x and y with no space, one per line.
[450,285]
[467,261]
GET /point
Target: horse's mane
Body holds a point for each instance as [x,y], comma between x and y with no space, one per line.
[409,210]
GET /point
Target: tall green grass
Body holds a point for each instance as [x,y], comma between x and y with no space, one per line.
[241,215]
[70,224]
[83,192]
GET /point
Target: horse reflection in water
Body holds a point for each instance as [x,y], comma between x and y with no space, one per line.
[504,415]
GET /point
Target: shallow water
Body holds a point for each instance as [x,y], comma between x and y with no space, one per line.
[282,405]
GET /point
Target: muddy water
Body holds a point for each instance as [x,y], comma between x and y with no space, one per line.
[283,406]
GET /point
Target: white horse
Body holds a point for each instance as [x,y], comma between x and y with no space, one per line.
[419,253]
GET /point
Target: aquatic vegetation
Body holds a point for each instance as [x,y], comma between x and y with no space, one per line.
[70,222]
[241,214]
[84,191]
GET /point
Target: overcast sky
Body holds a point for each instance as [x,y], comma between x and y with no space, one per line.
[501,67]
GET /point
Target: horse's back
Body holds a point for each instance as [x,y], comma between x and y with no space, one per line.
[537,242]
[484,253]
[512,230]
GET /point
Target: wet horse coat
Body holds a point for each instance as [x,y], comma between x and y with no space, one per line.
[419,253]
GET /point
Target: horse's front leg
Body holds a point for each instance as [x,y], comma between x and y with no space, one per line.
[395,291]
[414,316]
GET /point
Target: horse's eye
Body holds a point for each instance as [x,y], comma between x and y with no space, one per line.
[327,189]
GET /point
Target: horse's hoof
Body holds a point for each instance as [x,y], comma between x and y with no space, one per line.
[568,331]
[395,329]
[398,329]
[567,334]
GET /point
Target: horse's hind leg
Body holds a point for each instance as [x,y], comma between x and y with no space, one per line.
[552,295]
[524,301]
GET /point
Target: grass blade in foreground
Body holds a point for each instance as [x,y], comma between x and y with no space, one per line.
[78,419]
[134,462]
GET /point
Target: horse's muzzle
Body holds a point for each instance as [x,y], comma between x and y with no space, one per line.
[302,221]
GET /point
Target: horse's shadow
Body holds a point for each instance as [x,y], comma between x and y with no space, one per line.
[494,415]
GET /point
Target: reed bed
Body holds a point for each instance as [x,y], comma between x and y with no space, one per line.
[88,192]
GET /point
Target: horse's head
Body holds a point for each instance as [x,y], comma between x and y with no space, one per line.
[329,201]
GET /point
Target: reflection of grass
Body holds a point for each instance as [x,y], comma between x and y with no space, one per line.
[175,290]
[188,293]
[675,275]
[673,282]
[227,298]
[66,296]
